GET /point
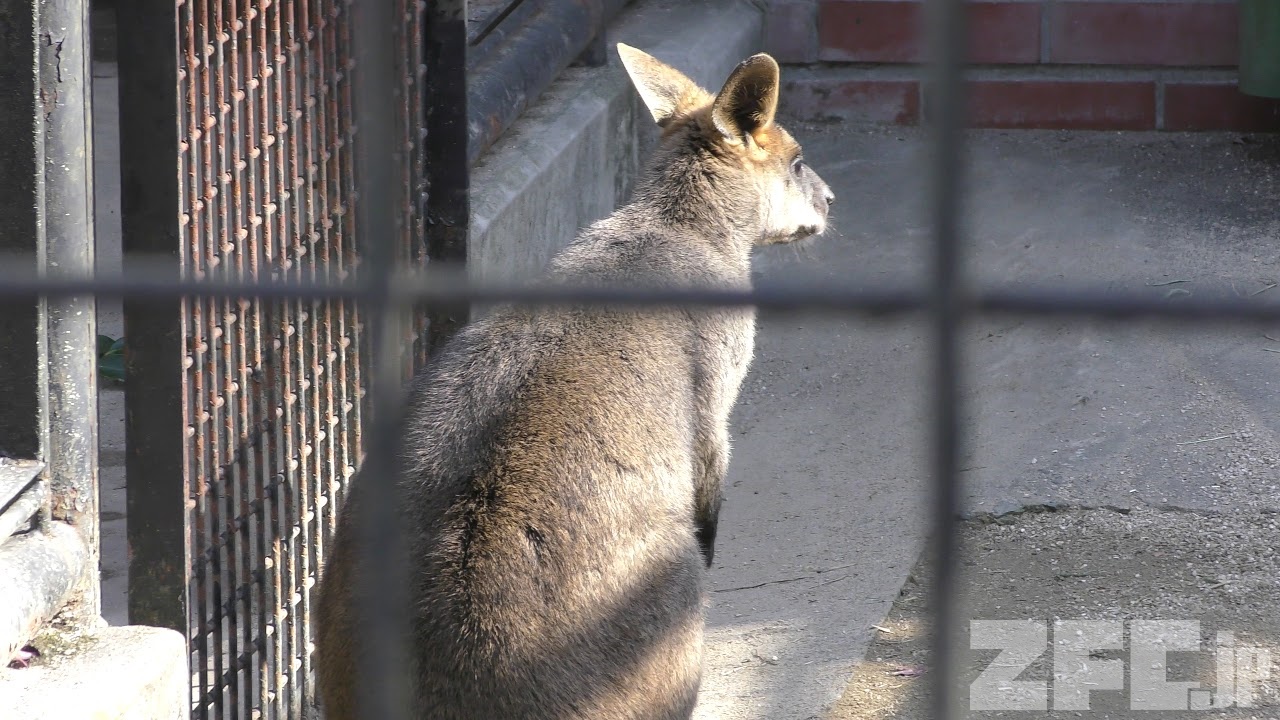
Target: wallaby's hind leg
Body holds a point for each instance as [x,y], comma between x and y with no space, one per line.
[688,665]
[665,683]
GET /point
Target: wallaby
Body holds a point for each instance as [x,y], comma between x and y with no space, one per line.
[563,464]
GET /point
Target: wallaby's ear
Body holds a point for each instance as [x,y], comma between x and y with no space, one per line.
[747,102]
[665,90]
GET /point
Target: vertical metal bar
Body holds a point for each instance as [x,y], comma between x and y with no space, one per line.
[266,155]
[67,244]
[236,462]
[947,38]
[409,114]
[261,476]
[323,184]
[286,76]
[293,360]
[155,426]
[272,481]
[202,595]
[214,512]
[332,114]
[447,167]
[321,264]
[341,103]
[217,259]
[382,598]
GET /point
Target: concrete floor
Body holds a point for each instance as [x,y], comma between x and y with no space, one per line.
[115,550]
[823,517]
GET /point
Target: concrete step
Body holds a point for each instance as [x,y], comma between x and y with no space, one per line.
[573,156]
[112,673]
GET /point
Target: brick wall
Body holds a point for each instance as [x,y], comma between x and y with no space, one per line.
[1070,64]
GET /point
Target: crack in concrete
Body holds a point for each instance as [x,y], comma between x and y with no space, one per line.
[1007,516]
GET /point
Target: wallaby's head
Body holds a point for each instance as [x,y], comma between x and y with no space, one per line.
[728,150]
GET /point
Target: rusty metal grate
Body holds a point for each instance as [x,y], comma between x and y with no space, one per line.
[273,390]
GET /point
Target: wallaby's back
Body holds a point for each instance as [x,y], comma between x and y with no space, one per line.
[563,466]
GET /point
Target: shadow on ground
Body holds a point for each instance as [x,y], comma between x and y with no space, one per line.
[1086,565]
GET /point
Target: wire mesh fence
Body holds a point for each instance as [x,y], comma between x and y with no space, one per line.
[265,137]
[273,392]
[302,305]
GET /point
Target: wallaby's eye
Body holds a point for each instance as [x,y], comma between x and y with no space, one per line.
[797,164]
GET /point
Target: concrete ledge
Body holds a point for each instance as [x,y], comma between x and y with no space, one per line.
[114,673]
[39,571]
[574,154]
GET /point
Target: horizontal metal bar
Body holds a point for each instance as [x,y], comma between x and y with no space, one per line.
[15,476]
[19,513]
[431,287]
[38,571]
[499,23]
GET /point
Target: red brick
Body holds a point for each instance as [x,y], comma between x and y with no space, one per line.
[890,31]
[869,31]
[879,101]
[1217,106]
[1004,33]
[1063,104]
[1144,33]
[791,31]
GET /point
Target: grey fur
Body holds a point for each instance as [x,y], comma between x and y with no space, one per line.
[563,466]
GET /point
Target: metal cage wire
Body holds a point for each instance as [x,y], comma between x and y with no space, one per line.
[274,398]
[295,302]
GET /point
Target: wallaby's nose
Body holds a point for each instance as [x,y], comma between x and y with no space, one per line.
[830,196]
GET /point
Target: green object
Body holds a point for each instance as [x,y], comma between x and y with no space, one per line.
[111,358]
[1260,47]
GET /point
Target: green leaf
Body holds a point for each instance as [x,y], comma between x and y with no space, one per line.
[105,344]
[112,367]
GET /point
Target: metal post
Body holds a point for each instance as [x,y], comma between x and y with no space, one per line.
[382,599]
[447,168]
[65,189]
[155,441]
[946,33]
